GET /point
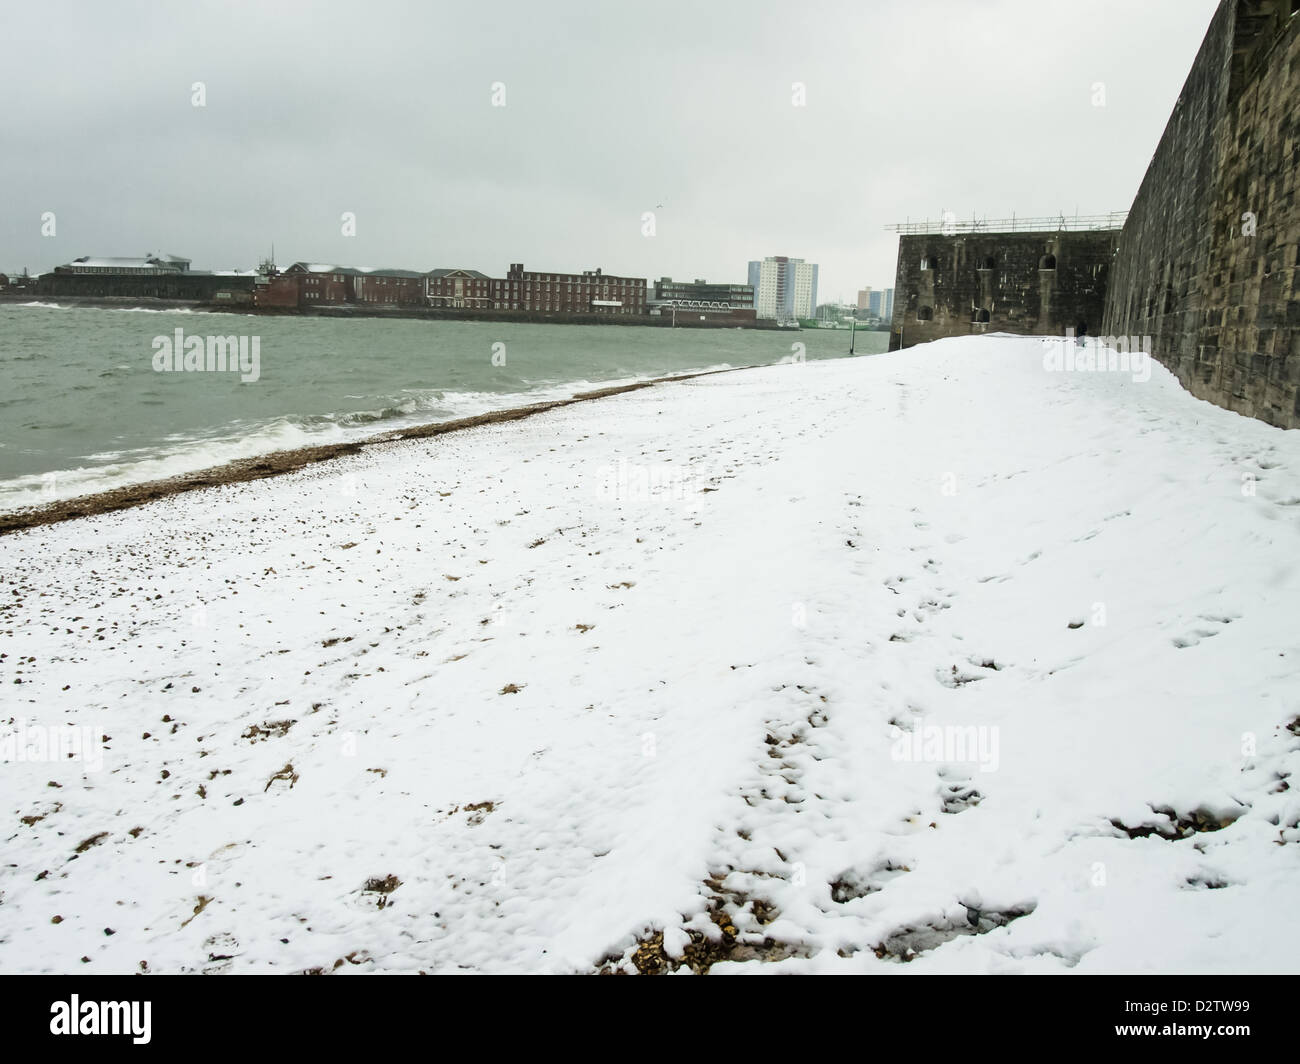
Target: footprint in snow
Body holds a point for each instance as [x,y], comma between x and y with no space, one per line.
[1194,637]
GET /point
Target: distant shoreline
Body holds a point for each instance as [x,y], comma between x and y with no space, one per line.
[276,463]
[352,310]
[346,311]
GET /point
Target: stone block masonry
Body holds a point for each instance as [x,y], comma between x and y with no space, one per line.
[1037,283]
[1207,264]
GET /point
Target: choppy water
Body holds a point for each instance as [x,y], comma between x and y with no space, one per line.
[83,409]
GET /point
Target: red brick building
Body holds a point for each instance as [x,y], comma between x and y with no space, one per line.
[309,284]
[282,290]
[394,288]
[591,291]
[306,285]
[459,288]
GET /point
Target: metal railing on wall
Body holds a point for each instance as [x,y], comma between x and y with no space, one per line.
[948,225]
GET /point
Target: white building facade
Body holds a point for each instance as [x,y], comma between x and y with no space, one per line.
[784,288]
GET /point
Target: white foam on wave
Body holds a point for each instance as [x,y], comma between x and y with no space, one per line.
[117,469]
[178,454]
[126,310]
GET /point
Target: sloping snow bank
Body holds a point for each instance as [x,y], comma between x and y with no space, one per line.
[933,656]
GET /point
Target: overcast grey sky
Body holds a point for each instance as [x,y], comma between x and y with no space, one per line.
[385,110]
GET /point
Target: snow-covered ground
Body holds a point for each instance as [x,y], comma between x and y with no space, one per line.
[932,655]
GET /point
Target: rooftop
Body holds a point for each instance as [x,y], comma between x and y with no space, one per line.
[386,271]
[127,263]
[444,271]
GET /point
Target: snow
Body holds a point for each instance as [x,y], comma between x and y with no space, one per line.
[740,645]
[127,263]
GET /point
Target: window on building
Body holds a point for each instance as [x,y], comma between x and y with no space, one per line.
[1047,262]
[924,313]
[981,315]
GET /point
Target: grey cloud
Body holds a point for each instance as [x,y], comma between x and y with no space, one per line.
[313,109]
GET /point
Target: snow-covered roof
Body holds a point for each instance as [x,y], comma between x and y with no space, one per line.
[458,270]
[123,263]
[353,271]
[387,271]
[319,267]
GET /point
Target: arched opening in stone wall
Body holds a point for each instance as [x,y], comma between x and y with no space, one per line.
[924,313]
[981,315]
[1047,262]
[988,263]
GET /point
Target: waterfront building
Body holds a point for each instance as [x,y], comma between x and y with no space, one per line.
[457,288]
[148,277]
[316,284]
[385,285]
[589,292]
[312,284]
[733,296]
[784,288]
[149,265]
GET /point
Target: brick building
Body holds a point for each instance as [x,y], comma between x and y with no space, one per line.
[591,291]
[279,290]
[319,284]
[390,287]
[314,284]
[306,285]
[459,288]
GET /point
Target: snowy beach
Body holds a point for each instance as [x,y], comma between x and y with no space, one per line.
[934,661]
